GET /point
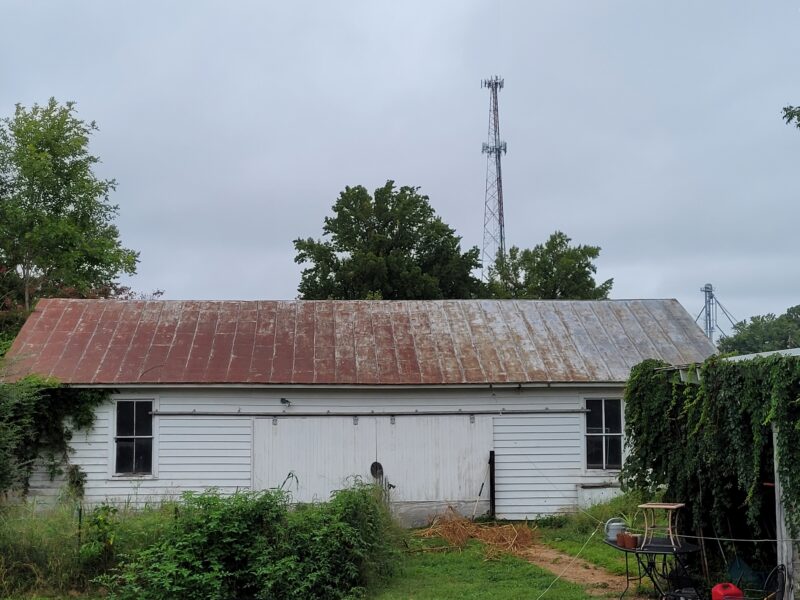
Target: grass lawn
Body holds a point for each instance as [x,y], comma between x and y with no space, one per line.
[569,540]
[466,575]
[568,533]
[457,575]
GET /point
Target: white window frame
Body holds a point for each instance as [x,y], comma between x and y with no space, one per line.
[621,435]
[112,435]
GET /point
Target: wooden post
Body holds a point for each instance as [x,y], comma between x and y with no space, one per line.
[785,547]
[492,507]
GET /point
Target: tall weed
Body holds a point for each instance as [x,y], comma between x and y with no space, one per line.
[56,549]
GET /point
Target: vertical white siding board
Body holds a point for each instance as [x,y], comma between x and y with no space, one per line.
[324,453]
[435,458]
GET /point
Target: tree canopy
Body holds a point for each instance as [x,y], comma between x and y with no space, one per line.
[389,245]
[57,232]
[764,333]
[791,114]
[554,270]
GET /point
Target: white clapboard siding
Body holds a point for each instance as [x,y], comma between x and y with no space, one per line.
[433,460]
[191,455]
[537,464]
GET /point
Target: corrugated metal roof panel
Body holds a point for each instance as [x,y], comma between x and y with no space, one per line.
[335,342]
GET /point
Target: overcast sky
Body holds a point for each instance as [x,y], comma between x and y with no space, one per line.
[652,129]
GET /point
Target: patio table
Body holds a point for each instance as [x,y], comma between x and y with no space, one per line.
[655,560]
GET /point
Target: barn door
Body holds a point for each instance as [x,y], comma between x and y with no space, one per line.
[420,459]
[323,453]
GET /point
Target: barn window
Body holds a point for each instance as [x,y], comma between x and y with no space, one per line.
[604,433]
[134,437]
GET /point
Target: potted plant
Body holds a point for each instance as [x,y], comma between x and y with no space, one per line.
[630,540]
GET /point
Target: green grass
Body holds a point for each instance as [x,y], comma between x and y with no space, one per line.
[465,575]
[49,543]
[568,533]
[40,551]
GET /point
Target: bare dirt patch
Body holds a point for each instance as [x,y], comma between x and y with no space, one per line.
[520,540]
[595,580]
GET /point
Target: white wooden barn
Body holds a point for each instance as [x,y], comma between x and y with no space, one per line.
[419,394]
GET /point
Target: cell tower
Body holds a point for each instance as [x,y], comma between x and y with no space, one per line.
[709,312]
[494,228]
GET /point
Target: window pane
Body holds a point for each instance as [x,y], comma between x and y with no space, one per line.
[124,418]
[613,416]
[594,452]
[144,420]
[124,456]
[613,452]
[144,456]
[594,418]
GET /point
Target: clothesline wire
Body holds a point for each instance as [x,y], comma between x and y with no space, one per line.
[722,539]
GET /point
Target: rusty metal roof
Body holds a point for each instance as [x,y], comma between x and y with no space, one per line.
[351,342]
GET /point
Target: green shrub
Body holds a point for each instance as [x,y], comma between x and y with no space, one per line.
[337,549]
[251,546]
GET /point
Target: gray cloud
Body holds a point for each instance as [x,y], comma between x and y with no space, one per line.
[650,129]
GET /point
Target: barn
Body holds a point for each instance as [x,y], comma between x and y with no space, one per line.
[510,406]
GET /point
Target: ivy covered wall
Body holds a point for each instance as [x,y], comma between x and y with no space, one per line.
[708,441]
[37,419]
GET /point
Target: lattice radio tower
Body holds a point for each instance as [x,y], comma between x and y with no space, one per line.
[494,228]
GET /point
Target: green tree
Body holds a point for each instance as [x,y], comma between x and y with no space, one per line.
[764,333]
[550,271]
[791,114]
[57,232]
[388,245]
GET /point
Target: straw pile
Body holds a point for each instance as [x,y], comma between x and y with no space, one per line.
[457,531]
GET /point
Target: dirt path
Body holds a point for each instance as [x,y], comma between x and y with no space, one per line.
[595,580]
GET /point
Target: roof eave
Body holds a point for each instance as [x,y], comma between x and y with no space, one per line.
[411,386]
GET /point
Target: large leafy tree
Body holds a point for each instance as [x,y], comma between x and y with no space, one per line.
[57,232]
[764,333]
[388,245]
[554,270]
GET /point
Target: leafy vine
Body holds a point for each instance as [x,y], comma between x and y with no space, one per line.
[711,445]
[37,420]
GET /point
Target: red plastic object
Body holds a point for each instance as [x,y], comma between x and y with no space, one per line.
[726,591]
